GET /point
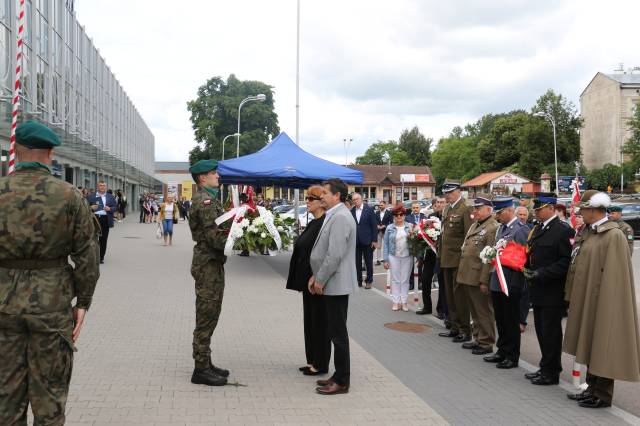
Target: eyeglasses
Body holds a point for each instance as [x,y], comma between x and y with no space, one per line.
[313,199]
[399,214]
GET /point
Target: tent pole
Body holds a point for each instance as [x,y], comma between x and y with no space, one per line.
[296,192]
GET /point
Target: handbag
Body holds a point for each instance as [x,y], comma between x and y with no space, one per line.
[159,232]
[175,220]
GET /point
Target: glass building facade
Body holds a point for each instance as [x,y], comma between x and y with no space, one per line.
[67,85]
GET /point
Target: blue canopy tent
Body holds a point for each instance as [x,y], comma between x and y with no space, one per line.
[283,163]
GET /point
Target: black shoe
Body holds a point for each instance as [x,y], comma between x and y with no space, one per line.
[244,254]
[309,372]
[101,261]
[470,345]
[448,334]
[440,316]
[219,371]
[579,396]
[507,364]
[306,367]
[530,376]
[495,358]
[593,402]
[377,263]
[460,338]
[424,312]
[359,284]
[543,380]
[207,377]
[481,351]
[447,324]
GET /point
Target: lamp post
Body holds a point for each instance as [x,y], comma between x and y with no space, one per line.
[260,97]
[549,117]
[346,143]
[223,141]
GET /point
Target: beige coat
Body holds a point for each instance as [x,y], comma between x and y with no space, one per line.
[602,328]
[456,221]
[471,270]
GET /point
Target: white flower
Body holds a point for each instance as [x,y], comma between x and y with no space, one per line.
[280,228]
[432,233]
[263,235]
[252,228]
[244,223]
[236,233]
[258,221]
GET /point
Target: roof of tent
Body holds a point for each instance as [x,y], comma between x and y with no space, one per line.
[283,163]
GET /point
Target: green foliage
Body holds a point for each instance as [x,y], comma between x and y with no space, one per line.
[456,157]
[600,179]
[214,115]
[416,146]
[378,153]
[632,145]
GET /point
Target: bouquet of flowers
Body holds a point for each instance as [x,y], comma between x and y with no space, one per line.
[488,255]
[264,232]
[504,254]
[424,235]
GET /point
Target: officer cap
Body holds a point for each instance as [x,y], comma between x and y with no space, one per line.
[36,136]
[523,196]
[543,199]
[482,200]
[615,209]
[450,185]
[500,203]
[592,199]
[203,166]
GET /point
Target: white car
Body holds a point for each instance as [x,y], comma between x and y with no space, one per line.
[303,218]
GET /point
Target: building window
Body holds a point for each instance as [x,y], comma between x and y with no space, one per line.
[4,11]
[372,192]
[399,194]
[414,193]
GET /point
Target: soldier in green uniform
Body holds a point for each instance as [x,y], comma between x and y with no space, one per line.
[207,268]
[615,215]
[43,221]
[456,221]
[473,276]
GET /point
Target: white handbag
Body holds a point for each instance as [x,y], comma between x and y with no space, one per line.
[159,232]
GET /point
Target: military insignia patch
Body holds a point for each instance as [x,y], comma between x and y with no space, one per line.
[206,202]
[630,237]
[484,231]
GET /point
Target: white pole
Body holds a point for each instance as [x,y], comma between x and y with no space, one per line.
[555,153]
[296,192]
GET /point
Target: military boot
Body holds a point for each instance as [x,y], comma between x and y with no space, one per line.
[207,377]
[219,371]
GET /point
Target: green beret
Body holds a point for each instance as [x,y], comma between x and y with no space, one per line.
[614,209]
[36,136]
[203,166]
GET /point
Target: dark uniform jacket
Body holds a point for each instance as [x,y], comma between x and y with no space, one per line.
[517,232]
[456,221]
[549,255]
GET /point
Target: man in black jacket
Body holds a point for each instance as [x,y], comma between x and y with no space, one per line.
[367,238]
[549,249]
[431,267]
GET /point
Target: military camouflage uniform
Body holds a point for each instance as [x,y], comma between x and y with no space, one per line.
[207,268]
[627,230]
[43,220]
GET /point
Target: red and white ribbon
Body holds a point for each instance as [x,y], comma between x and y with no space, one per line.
[16,90]
[501,279]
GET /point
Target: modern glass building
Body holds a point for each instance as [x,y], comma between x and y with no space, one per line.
[68,86]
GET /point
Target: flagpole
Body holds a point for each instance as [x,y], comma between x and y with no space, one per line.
[296,192]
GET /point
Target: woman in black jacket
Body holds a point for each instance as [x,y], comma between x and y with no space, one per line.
[316,342]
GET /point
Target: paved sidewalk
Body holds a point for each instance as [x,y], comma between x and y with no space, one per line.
[134,361]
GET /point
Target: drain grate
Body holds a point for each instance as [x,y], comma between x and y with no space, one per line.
[408,327]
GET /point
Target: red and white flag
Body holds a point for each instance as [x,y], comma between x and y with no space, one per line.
[575,199]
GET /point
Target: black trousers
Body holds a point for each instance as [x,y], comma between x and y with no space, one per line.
[367,252]
[141,214]
[430,267]
[337,307]
[104,234]
[506,310]
[548,323]
[316,341]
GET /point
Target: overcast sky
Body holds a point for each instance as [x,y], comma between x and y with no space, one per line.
[369,68]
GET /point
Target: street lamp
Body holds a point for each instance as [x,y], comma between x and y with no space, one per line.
[225,139]
[549,117]
[346,143]
[260,97]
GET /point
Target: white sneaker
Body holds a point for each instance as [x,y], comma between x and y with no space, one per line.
[395,307]
[405,308]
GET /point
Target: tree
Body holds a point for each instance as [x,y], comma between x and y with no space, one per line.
[214,115]
[632,145]
[416,146]
[378,153]
[601,179]
[456,157]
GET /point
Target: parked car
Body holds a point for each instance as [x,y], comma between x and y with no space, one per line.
[303,217]
[282,209]
[631,215]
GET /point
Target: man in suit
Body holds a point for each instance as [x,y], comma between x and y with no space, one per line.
[367,237]
[103,206]
[456,221]
[430,265]
[549,250]
[507,308]
[473,276]
[384,217]
[333,266]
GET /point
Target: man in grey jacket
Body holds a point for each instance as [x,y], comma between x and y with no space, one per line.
[334,276]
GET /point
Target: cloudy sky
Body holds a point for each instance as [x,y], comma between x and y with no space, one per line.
[369,68]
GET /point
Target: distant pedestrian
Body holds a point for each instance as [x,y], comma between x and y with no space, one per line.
[333,265]
[522,213]
[142,199]
[367,230]
[103,206]
[615,215]
[316,342]
[169,215]
[398,259]
[384,218]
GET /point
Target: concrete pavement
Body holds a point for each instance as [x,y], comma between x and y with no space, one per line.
[134,360]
